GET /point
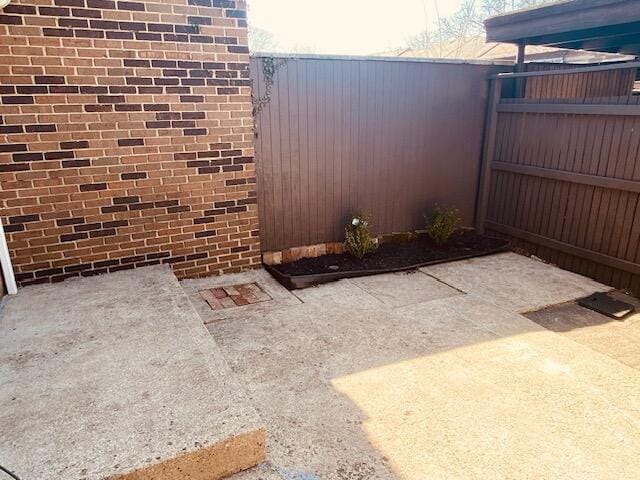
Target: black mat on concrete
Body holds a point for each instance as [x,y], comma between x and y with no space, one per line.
[602,303]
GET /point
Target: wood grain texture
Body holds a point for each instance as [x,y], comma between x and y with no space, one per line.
[594,84]
[391,139]
[565,184]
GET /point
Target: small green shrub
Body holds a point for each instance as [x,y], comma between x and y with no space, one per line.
[442,224]
[358,240]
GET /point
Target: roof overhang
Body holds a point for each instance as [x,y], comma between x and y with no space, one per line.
[596,25]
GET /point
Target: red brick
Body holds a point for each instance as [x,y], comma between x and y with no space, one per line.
[98,132]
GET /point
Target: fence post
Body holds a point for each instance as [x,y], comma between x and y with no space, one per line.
[488,151]
[519,84]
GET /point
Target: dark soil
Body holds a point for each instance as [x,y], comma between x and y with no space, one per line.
[396,256]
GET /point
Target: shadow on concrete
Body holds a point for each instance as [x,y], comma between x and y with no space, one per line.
[450,388]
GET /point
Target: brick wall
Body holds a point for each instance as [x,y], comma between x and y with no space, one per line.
[126,137]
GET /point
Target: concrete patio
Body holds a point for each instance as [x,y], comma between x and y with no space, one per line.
[116,377]
[432,374]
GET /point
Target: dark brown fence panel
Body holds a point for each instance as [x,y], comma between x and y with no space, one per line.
[607,83]
[389,138]
[565,184]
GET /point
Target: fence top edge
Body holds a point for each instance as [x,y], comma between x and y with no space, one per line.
[376,58]
[568,71]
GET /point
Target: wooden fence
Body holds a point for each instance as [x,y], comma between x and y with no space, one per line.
[562,178]
[595,84]
[389,138]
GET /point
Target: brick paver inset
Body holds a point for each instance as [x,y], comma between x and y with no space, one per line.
[234,296]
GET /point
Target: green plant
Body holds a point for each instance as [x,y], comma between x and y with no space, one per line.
[442,223]
[358,240]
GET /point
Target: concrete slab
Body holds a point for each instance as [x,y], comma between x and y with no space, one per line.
[514,282]
[448,389]
[264,471]
[404,288]
[520,407]
[115,376]
[618,339]
[343,292]
[280,296]
[282,356]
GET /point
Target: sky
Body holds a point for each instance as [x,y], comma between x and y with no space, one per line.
[345,27]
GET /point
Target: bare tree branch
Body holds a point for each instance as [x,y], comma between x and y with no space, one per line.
[467,22]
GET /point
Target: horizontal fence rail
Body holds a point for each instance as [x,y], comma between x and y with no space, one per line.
[561,176]
[570,108]
[390,139]
[578,178]
[562,70]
